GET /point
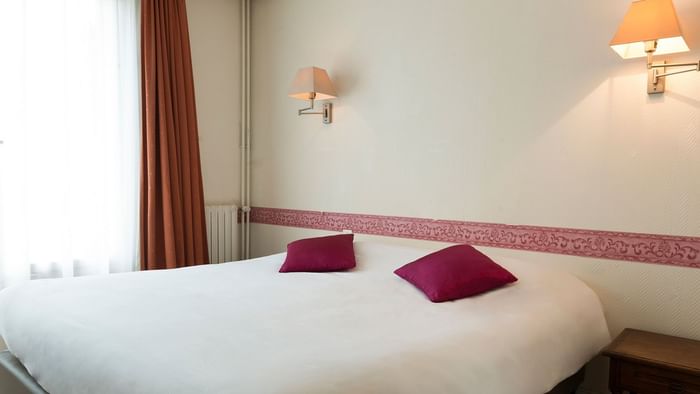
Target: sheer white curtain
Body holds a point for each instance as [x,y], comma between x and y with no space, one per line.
[69,122]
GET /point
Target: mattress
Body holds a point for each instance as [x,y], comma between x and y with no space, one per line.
[243,327]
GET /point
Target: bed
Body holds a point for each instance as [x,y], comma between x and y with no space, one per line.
[242,327]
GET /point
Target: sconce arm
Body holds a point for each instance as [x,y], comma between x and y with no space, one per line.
[655,84]
[696,67]
[305,111]
[326,113]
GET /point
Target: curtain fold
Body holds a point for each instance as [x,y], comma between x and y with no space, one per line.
[173,232]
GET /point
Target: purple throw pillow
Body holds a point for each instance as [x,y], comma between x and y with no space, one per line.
[455,272]
[322,254]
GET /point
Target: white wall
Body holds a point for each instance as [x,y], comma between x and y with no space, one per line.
[498,111]
[216,57]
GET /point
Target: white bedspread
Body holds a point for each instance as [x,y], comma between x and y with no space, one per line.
[244,328]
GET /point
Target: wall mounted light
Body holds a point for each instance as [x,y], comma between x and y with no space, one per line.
[651,27]
[312,83]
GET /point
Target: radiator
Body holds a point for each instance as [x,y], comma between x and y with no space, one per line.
[222,232]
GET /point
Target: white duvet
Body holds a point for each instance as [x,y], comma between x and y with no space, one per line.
[243,327]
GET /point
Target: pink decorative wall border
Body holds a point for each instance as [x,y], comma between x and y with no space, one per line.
[647,248]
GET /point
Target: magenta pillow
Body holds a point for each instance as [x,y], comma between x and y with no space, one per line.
[323,254]
[455,272]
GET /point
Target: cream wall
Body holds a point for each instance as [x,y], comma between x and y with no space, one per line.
[216,56]
[508,111]
[498,111]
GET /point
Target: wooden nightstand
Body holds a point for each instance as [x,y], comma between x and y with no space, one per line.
[646,363]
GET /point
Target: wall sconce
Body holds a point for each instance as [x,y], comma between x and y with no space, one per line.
[651,27]
[312,83]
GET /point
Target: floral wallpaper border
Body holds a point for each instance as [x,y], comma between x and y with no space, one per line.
[647,248]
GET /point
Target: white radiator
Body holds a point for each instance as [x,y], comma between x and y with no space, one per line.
[222,232]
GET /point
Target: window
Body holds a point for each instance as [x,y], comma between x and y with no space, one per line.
[69,122]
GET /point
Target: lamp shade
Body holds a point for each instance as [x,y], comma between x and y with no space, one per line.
[649,20]
[312,83]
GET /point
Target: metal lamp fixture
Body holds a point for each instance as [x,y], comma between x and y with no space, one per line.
[651,27]
[312,83]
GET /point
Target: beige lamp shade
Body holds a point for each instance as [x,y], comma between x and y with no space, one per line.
[649,20]
[312,83]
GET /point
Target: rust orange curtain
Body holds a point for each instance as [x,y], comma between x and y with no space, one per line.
[172,224]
